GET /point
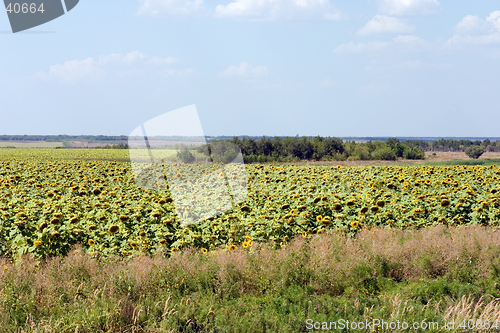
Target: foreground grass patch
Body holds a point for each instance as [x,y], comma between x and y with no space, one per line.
[430,275]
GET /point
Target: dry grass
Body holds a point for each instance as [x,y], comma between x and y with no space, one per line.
[118,295]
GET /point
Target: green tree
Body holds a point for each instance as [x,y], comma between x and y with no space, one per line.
[384,153]
[475,151]
[185,155]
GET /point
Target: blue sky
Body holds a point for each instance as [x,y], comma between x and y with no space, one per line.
[258,67]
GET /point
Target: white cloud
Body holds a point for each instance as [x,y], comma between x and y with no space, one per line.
[475,30]
[412,42]
[409,7]
[126,59]
[471,24]
[163,61]
[72,70]
[159,8]
[402,43]
[174,72]
[352,47]
[385,24]
[244,71]
[279,10]
[75,70]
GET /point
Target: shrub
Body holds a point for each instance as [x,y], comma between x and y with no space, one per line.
[384,153]
[414,154]
[185,155]
[474,151]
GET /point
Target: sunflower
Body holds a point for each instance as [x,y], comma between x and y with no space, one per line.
[319,218]
[354,224]
[54,220]
[442,219]
[175,250]
[204,251]
[113,229]
[37,243]
[102,218]
[91,242]
[162,242]
[156,214]
[381,203]
[96,191]
[42,226]
[123,218]
[232,247]
[92,227]
[245,208]
[245,245]
[445,203]
[363,210]
[327,220]
[337,207]
[374,209]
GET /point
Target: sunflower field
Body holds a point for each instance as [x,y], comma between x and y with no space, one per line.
[51,200]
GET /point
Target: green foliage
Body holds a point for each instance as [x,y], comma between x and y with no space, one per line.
[384,153]
[413,153]
[185,155]
[475,151]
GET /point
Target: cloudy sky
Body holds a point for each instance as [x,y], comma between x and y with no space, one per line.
[258,67]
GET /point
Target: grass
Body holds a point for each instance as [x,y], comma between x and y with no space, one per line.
[37,144]
[489,161]
[434,274]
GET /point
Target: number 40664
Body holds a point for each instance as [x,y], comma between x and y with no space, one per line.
[24,8]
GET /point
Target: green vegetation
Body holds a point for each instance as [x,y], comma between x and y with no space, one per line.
[475,151]
[431,275]
[22,144]
[289,149]
[490,161]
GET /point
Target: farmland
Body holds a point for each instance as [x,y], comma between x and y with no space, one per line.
[321,234]
[51,202]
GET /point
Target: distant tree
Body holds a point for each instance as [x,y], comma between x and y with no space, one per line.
[185,155]
[414,153]
[475,151]
[384,153]
[361,153]
[392,142]
[399,149]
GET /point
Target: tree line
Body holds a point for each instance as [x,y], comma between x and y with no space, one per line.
[289,149]
[454,145]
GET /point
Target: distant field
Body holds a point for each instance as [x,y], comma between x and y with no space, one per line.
[450,156]
[33,144]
